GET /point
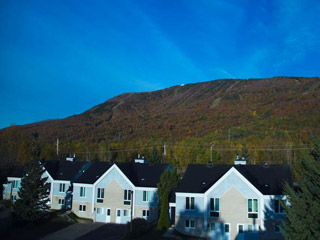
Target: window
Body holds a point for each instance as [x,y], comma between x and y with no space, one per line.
[145,213]
[189,223]
[100,195]
[14,184]
[214,207]
[82,208]
[99,210]
[252,208]
[214,226]
[127,197]
[118,213]
[227,228]
[82,192]
[250,228]
[125,212]
[190,203]
[61,201]
[240,228]
[277,206]
[62,187]
[108,212]
[146,196]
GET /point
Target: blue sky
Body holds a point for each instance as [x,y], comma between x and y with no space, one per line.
[59,58]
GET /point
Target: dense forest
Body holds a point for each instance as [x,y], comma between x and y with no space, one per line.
[270,120]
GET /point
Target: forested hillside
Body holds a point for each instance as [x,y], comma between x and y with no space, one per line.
[271,118]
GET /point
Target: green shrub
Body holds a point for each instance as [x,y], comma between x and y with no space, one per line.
[140,226]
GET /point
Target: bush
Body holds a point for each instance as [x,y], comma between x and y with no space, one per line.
[140,226]
[6,204]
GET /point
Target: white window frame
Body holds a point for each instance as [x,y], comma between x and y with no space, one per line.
[100,195]
[238,228]
[82,208]
[83,191]
[224,228]
[146,213]
[61,201]
[189,221]
[62,187]
[146,196]
[252,210]
[14,184]
[127,196]
[189,199]
[214,210]
[279,206]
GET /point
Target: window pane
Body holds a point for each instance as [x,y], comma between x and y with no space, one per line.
[240,228]
[108,212]
[226,228]
[192,203]
[187,223]
[216,204]
[129,195]
[249,205]
[118,213]
[250,228]
[281,207]
[212,204]
[148,196]
[255,205]
[144,196]
[125,195]
[192,223]
[187,203]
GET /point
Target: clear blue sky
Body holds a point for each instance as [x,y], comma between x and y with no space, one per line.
[61,57]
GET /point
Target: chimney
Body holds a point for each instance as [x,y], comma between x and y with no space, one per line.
[240,161]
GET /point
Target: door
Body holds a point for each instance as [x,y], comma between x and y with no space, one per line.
[173,215]
[108,214]
[99,214]
[240,235]
[118,215]
[227,229]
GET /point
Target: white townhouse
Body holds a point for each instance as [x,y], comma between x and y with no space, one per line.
[231,201]
[60,174]
[116,192]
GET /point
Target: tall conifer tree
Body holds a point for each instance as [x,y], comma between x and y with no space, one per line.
[33,194]
[303,212]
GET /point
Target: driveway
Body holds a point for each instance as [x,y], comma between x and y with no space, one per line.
[86,231]
[107,231]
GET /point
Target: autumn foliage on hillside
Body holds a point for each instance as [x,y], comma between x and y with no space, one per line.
[274,117]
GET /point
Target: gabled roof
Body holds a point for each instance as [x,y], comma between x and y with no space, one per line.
[58,170]
[140,174]
[268,179]
[63,170]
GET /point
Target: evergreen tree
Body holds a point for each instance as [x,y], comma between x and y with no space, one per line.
[154,156]
[168,181]
[33,194]
[303,212]
[164,221]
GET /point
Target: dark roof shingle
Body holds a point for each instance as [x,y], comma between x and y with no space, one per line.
[268,179]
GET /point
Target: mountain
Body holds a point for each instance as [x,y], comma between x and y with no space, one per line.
[253,106]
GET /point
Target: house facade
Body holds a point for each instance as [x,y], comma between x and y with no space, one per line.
[117,192]
[60,174]
[231,201]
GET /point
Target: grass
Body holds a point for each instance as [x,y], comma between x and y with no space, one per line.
[32,230]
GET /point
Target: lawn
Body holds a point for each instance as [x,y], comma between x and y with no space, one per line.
[30,230]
